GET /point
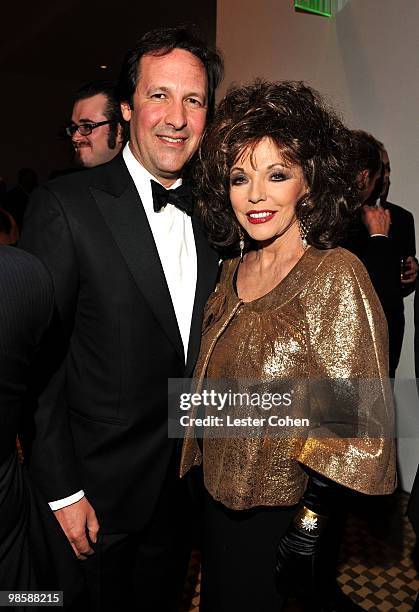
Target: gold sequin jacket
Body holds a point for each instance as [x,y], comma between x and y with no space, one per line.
[322,322]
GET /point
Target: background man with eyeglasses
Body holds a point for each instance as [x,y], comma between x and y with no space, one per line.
[97,130]
[132,270]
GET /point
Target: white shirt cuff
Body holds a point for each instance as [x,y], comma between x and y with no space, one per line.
[373,235]
[66,501]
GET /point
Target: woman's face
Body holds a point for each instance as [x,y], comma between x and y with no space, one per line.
[264,191]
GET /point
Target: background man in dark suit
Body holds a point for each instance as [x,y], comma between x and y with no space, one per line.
[34,554]
[402,229]
[402,236]
[384,237]
[131,280]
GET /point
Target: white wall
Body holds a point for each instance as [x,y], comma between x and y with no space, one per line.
[366,60]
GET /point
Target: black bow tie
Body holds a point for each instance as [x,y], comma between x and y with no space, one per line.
[179,197]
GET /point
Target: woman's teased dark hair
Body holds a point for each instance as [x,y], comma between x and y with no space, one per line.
[306,132]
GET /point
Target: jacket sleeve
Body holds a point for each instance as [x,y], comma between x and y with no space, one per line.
[352,437]
[410,241]
[408,232]
[383,266]
[46,234]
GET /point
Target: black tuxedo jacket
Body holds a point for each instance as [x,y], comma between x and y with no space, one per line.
[101,423]
[402,235]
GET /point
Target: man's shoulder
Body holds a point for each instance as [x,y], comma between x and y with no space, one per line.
[13,258]
[108,177]
[72,193]
[19,268]
[399,211]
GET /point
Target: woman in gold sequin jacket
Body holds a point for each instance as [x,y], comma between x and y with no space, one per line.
[292,312]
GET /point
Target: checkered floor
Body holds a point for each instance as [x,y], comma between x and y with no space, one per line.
[376,568]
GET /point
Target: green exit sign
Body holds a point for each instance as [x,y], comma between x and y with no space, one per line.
[320,7]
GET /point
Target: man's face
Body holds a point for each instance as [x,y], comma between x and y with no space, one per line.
[369,184]
[386,178]
[169,112]
[93,149]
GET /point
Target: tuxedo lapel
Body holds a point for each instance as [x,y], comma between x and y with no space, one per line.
[126,219]
[206,277]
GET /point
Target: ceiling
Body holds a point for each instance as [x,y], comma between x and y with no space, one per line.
[69,39]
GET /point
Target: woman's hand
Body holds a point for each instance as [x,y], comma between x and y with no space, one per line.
[295,560]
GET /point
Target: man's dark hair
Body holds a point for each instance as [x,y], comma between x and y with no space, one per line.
[112,110]
[306,132]
[367,152]
[160,42]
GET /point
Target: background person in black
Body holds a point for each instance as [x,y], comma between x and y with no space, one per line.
[381,237]
[130,286]
[402,229]
[31,546]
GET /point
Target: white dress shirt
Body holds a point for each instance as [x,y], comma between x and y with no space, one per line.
[173,235]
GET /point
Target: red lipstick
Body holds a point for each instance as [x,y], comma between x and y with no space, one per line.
[260,216]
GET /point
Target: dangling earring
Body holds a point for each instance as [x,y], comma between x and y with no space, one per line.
[241,244]
[304,227]
[303,233]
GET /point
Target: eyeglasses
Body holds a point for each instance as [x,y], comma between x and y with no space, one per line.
[84,129]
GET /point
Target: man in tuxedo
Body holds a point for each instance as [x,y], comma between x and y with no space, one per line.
[131,273]
[97,130]
[402,236]
[383,238]
[402,230]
